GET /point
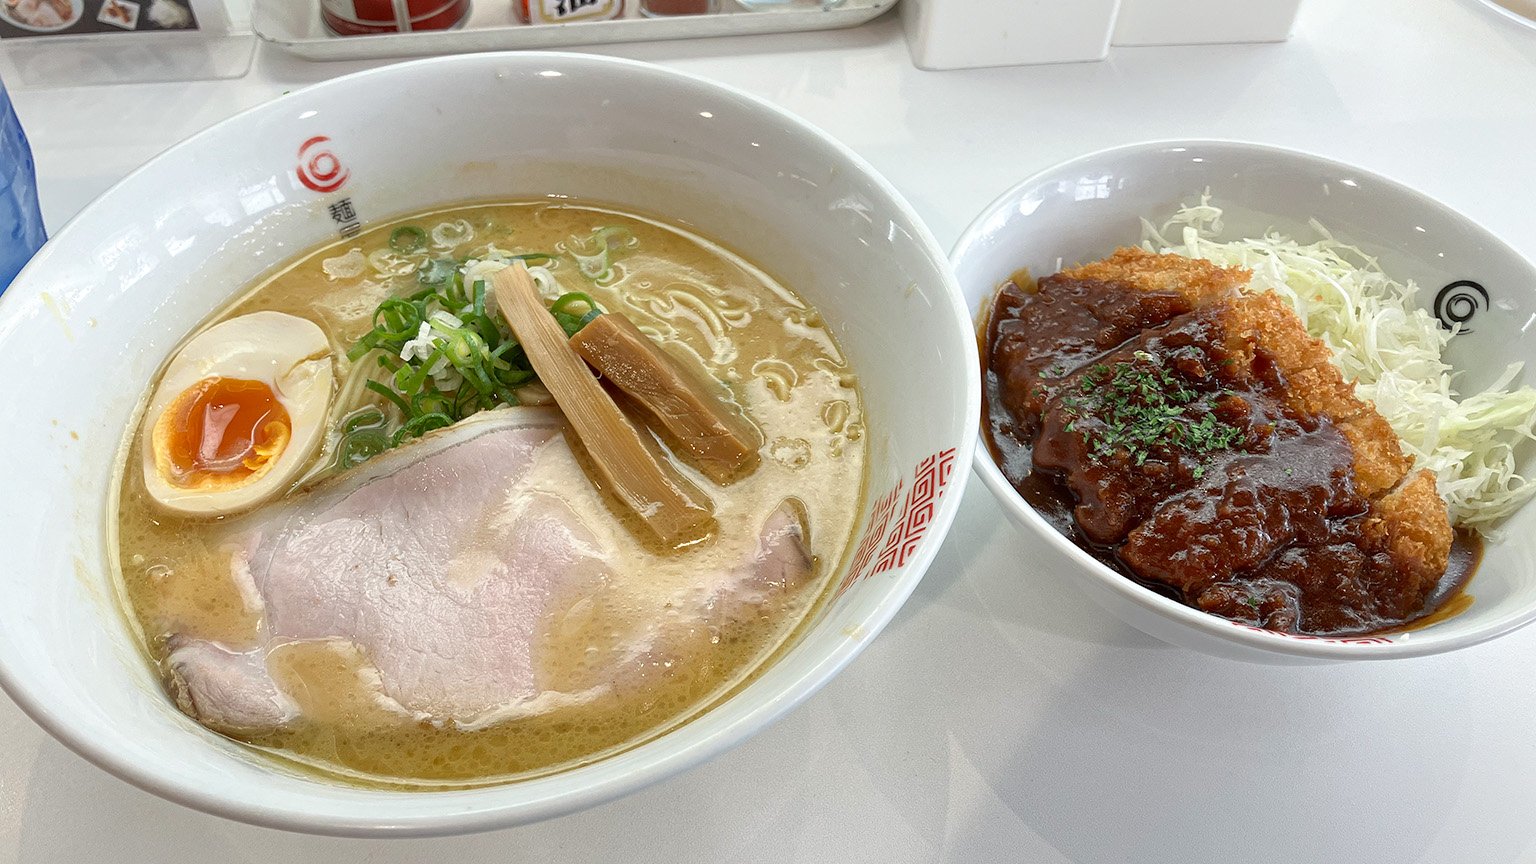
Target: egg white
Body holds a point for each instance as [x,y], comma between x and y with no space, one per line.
[289,354]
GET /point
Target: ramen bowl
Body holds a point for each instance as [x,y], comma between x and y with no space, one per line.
[1084,209]
[86,325]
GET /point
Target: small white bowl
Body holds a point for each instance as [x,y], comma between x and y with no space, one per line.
[1522,12]
[93,316]
[1083,209]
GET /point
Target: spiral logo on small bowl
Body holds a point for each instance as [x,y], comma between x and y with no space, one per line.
[319,169]
[1458,302]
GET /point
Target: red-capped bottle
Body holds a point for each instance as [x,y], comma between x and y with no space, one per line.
[361,17]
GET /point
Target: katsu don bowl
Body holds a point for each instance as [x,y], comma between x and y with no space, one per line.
[469,441]
[1257,403]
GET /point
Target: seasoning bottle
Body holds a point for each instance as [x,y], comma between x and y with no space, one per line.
[563,11]
[667,8]
[362,17]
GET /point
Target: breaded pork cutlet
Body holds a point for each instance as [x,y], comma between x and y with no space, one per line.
[1310,379]
[1039,336]
[1312,496]
[1302,368]
[1196,280]
[1312,382]
[1040,333]
[1396,551]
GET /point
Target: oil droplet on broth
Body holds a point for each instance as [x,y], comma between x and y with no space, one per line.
[835,413]
[792,453]
[778,376]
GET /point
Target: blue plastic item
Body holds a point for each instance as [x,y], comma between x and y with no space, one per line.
[20,219]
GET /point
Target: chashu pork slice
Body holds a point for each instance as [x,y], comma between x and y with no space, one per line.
[433,575]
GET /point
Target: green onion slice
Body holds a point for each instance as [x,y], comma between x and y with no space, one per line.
[407,238]
[460,323]
[419,426]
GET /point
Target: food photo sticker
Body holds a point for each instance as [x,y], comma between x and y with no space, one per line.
[36,18]
[119,13]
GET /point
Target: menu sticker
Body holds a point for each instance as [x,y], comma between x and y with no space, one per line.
[21,19]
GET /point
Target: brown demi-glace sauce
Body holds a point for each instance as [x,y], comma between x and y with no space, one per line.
[1140,426]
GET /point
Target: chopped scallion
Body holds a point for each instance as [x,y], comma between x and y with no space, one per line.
[407,238]
[443,353]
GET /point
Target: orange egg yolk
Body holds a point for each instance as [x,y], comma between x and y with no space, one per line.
[222,431]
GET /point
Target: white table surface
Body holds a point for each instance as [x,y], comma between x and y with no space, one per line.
[1000,717]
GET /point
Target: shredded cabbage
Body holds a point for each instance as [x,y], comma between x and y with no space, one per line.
[1391,348]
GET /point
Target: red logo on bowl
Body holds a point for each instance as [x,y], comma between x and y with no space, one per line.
[928,482]
[319,169]
[879,518]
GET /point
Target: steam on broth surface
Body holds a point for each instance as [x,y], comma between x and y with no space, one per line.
[626,639]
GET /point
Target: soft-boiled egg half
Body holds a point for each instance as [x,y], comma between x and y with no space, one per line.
[238,413]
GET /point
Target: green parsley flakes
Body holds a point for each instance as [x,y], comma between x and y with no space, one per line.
[1139,407]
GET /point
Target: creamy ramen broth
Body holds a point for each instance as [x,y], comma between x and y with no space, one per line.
[702,303]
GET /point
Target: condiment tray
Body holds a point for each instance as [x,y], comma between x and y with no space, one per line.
[295,27]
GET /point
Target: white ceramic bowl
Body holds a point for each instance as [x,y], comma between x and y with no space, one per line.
[1522,12]
[1083,209]
[86,324]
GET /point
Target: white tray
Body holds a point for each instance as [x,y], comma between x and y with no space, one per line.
[295,27]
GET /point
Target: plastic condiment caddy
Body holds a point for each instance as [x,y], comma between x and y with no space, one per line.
[1193,22]
[963,34]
